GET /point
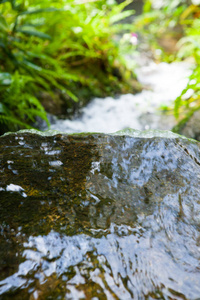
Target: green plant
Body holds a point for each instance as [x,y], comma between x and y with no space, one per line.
[189,47]
[18,106]
[22,70]
[160,27]
[180,18]
[62,45]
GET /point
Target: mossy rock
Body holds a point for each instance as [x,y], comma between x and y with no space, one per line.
[99,215]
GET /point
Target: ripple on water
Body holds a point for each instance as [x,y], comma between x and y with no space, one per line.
[117,219]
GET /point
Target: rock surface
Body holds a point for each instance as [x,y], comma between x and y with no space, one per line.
[99,216]
[191,128]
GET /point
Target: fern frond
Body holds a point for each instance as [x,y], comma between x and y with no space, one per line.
[9,120]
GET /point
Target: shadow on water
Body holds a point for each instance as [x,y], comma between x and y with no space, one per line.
[99,217]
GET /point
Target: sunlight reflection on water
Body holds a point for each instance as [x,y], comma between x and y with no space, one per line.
[114,216]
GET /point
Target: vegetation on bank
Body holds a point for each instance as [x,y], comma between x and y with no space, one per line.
[56,55]
[171,29]
[59,51]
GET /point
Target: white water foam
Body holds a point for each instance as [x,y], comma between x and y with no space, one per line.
[140,111]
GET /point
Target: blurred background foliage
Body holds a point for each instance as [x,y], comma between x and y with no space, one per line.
[56,53]
[171,29]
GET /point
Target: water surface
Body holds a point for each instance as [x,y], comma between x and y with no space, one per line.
[164,82]
[99,216]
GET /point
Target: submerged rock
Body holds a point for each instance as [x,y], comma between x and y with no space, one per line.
[99,216]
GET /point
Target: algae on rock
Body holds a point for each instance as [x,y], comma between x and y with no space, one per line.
[99,215]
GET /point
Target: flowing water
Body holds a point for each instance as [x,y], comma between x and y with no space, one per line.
[164,83]
[98,216]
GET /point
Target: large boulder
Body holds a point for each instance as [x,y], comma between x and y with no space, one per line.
[99,216]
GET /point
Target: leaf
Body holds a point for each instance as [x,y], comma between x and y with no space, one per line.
[10,119]
[29,64]
[41,10]
[5,78]
[39,22]
[34,33]
[74,97]
[35,112]
[3,108]
[118,8]
[121,16]
[3,24]
[177,105]
[147,6]
[190,9]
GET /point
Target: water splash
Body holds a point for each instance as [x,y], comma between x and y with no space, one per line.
[141,111]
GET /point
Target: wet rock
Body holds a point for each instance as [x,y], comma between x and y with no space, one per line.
[57,104]
[99,215]
[191,128]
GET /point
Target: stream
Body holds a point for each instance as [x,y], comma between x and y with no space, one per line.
[103,216]
[164,82]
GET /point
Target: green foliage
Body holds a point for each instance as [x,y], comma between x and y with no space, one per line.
[160,26]
[178,19]
[189,47]
[18,106]
[63,45]
[189,100]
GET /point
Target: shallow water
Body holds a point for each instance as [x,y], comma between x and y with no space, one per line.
[99,216]
[141,111]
